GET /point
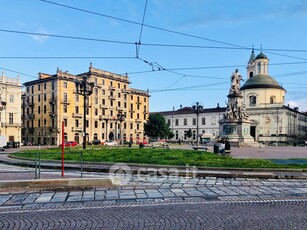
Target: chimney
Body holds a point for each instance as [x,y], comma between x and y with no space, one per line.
[295,108]
[180,106]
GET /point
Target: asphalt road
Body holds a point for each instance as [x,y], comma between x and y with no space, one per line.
[206,214]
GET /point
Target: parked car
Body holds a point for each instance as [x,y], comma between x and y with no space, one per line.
[96,142]
[69,143]
[110,143]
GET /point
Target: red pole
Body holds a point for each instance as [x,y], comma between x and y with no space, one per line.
[63,148]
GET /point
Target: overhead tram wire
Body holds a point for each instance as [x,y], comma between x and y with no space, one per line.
[138,45]
[63,57]
[170,31]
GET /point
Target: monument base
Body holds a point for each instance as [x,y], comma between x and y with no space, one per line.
[238,132]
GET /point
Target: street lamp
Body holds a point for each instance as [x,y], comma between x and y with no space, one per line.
[120,118]
[85,89]
[197,108]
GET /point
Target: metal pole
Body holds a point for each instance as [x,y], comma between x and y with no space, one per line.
[84,112]
[39,164]
[81,163]
[63,148]
[36,164]
[197,113]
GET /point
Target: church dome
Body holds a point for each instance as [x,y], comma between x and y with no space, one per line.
[261,56]
[261,81]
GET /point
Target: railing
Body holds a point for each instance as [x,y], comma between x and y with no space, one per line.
[77,115]
[8,124]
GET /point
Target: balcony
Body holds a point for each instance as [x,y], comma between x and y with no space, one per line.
[7,124]
[67,102]
[52,114]
[103,107]
[111,88]
[131,111]
[52,101]
[138,120]
[139,102]
[77,130]
[52,128]
[77,115]
[111,97]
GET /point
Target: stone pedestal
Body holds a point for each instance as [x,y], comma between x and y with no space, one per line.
[238,132]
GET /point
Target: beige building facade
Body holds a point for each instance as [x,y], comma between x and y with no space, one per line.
[10,109]
[113,109]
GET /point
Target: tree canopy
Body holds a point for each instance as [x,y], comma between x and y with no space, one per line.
[156,127]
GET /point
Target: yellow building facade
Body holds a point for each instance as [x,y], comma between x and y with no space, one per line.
[113,110]
[10,110]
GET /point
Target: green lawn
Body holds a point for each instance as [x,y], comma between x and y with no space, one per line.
[154,156]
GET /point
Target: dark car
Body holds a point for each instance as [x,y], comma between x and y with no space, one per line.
[96,142]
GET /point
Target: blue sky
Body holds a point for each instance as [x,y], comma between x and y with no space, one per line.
[215,38]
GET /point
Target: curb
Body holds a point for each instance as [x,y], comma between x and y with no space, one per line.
[56,183]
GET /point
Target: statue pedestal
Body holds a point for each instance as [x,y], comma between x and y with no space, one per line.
[238,132]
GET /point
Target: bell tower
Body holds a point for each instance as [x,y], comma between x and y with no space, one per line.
[251,65]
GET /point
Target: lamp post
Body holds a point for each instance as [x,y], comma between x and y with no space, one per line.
[197,108]
[85,89]
[120,118]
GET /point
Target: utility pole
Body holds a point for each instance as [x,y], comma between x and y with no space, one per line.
[85,89]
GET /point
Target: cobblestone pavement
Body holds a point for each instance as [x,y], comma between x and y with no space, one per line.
[192,214]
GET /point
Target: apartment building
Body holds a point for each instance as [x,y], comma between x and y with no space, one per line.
[113,109]
[10,110]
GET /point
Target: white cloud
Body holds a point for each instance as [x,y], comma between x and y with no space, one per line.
[40,38]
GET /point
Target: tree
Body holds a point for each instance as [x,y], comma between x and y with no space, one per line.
[189,133]
[156,127]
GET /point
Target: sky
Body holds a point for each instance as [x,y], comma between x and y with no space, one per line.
[182,51]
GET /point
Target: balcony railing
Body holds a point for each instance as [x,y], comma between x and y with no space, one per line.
[111,97]
[30,104]
[111,88]
[77,115]
[138,120]
[52,114]
[78,129]
[31,116]
[7,124]
[52,101]
[66,102]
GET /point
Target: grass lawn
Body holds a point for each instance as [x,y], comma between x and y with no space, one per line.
[154,156]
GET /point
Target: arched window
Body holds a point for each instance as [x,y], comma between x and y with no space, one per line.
[272,99]
[259,68]
[77,138]
[95,136]
[252,101]
[251,74]
[65,137]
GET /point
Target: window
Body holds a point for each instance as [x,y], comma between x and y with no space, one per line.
[103,92]
[65,85]
[77,97]
[194,121]
[118,85]
[11,118]
[45,122]
[102,125]
[76,123]
[11,98]
[76,109]
[45,97]
[111,103]
[103,101]
[96,101]
[65,108]
[131,126]
[39,98]
[131,115]
[45,85]
[65,122]
[96,91]
[39,123]
[38,87]
[213,120]
[39,109]
[65,97]
[203,120]
[96,124]
[131,97]
[87,111]
[185,121]
[45,109]
[86,123]
[176,122]
[111,113]
[252,100]
[96,112]
[52,85]
[111,83]
[168,122]
[272,99]
[102,82]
